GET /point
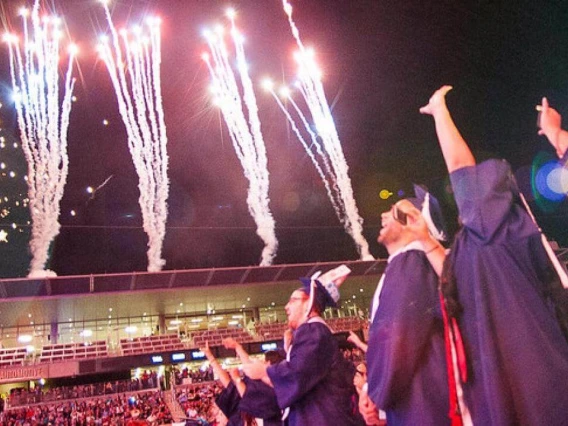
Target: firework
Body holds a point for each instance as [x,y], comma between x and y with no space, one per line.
[246,135]
[334,168]
[43,123]
[133,62]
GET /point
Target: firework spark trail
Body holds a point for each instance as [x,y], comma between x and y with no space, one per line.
[313,93]
[323,155]
[43,123]
[328,186]
[246,135]
[134,70]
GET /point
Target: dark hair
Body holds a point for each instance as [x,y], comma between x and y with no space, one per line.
[274,357]
[319,304]
[448,284]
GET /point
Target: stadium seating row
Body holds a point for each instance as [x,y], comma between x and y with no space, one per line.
[165,342]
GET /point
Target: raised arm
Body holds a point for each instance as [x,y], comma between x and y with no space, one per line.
[353,338]
[222,374]
[454,148]
[549,123]
[231,343]
[238,381]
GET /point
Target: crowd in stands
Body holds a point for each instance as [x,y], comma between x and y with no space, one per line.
[116,410]
[198,402]
[124,402]
[19,397]
[187,376]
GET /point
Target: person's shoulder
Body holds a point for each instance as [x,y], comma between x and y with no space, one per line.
[410,260]
[319,327]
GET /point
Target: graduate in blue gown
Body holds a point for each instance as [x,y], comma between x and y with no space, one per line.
[244,400]
[314,385]
[406,354]
[499,284]
[228,402]
[259,401]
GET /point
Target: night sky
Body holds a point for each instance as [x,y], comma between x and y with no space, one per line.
[381,61]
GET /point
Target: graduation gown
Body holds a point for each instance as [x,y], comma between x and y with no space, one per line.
[315,383]
[517,355]
[228,402]
[406,366]
[259,400]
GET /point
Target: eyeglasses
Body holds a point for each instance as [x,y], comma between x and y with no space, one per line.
[399,215]
[362,373]
[296,299]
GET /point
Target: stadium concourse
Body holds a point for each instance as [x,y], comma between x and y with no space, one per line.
[76,329]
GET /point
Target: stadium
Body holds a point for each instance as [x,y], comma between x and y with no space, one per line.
[54,329]
[126,250]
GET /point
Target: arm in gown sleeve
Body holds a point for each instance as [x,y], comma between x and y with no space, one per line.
[310,360]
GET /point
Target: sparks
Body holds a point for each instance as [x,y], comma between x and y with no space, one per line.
[330,150]
[43,124]
[246,135]
[134,69]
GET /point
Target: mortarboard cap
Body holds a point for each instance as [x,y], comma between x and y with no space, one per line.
[431,211]
[323,290]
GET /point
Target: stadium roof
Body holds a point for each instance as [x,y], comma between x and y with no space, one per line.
[89,297]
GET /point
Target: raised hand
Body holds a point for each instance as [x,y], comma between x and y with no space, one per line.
[550,125]
[207,351]
[230,343]
[288,336]
[550,120]
[437,102]
[353,338]
[417,225]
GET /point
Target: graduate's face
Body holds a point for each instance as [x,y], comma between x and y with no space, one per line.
[296,309]
[390,227]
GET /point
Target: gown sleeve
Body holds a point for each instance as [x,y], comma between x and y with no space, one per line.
[259,400]
[310,360]
[228,402]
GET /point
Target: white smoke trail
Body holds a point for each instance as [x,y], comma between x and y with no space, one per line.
[43,123]
[309,83]
[246,135]
[133,63]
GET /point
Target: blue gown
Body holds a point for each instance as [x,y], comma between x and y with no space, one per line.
[517,355]
[315,383]
[259,400]
[406,364]
[228,402]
